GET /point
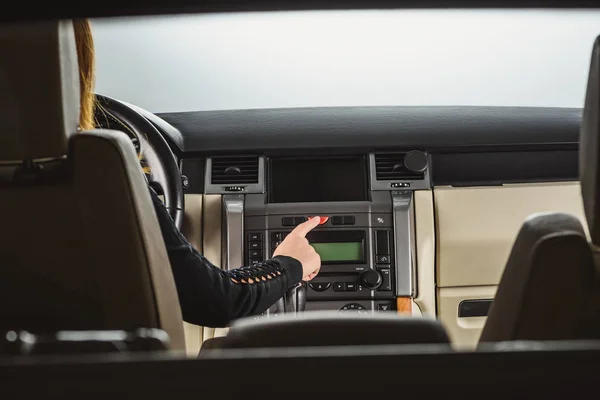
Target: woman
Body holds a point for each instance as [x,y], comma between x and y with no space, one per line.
[210,296]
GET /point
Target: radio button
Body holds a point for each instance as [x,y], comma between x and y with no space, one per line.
[382,242]
[319,286]
[255,237]
[254,246]
[349,220]
[386,282]
[299,220]
[384,307]
[254,254]
[383,259]
[337,220]
[381,220]
[277,236]
[322,220]
[287,221]
[350,287]
[339,287]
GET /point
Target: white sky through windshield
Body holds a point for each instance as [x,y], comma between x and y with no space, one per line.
[347,58]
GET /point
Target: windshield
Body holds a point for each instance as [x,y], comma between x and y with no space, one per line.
[347,58]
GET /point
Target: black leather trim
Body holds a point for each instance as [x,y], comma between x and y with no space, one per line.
[496,168]
[368,128]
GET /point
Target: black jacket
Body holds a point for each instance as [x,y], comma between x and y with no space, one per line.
[210,296]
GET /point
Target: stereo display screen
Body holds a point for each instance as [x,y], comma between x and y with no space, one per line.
[339,251]
[294,180]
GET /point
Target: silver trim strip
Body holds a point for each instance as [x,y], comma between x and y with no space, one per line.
[233,225]
[418,184]
[404,237]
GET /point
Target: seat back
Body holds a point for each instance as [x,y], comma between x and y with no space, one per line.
[80,245]
[550,289]
[589,172]
[331,328]
[546,283]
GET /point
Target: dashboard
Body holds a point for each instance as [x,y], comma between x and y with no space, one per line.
[466,145]
[423,202]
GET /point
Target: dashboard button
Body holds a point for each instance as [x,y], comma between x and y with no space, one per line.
[350,287]
[319,286]
[354,307]
[277,236]
[287,221]
[339,287]
[254,245]
[386,284]
[337,220]
[322,220]
[381,220]
[349,220]
[254,254]
[382,241]
[299,220]
[385,259]
[255,236]
[384,307]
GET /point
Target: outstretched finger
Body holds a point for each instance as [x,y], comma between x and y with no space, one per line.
[305,227]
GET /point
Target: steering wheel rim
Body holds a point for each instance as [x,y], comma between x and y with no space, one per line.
[164,174]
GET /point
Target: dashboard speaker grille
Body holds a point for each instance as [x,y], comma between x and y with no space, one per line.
[391,167]
[234,170]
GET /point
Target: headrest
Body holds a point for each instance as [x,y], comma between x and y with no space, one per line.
[332,328]
[39,89]
[589,147]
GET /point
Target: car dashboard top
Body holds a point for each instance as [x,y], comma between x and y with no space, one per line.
[464,145]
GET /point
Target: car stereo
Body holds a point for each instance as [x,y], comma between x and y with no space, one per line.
[366,245]
[356,243]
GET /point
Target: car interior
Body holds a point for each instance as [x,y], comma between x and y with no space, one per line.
[459,250]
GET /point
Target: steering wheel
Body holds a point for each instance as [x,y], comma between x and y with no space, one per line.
[156,157]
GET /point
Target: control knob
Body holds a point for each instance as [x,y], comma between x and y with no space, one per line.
[371,279]
[415,161]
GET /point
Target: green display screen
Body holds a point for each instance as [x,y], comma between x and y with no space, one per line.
[339,251]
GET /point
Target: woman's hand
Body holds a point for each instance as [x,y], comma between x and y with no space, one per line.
[296,245]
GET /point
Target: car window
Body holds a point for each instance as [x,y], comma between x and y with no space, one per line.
[347,58]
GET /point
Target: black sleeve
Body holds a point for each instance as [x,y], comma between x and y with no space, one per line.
[210,296]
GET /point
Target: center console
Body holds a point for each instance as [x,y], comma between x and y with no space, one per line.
[366,245]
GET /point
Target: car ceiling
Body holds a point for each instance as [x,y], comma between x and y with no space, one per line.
[68,9]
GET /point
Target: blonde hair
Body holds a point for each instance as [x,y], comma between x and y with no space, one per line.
[87,72]
[87,79]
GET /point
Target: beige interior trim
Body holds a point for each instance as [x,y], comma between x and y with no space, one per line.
[192,230]
[425,254]
[463,332]
[476,226]
[212,239]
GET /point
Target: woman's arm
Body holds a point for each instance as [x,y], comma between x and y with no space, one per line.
[210,296]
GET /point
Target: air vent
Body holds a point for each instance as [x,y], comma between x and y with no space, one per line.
[394,166]
[234,170]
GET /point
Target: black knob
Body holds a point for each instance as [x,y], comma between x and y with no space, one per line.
[185,182]
[371,279]
[415,161]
